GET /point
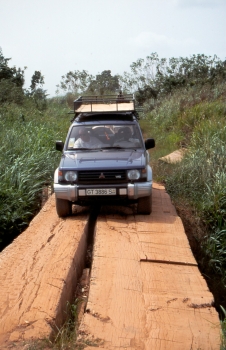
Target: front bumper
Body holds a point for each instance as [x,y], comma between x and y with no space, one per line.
[77,193]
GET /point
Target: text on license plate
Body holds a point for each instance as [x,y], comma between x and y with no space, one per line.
[101,192]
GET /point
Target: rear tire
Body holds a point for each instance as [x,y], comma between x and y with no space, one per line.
[63,207]
[144,205]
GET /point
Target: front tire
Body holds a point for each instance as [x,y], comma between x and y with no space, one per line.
[144,205]
[63,207]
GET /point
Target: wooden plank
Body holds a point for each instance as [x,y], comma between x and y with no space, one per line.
[141,304]
[38,275]
[104,107]
[174,157]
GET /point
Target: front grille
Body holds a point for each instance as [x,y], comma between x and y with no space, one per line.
[99,176]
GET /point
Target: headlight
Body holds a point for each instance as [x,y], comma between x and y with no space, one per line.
[133,174]
[71,176]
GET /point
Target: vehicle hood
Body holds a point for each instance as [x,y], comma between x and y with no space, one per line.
[105,159]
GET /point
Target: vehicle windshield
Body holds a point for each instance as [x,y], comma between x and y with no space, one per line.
[104,137]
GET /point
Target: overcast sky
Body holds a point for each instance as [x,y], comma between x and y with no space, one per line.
[56,36]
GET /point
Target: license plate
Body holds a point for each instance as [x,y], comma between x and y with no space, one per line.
[101,192]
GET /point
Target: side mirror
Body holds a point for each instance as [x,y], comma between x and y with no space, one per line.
[149,143]
[59,145]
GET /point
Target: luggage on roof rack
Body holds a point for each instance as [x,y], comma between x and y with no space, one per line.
[103,104]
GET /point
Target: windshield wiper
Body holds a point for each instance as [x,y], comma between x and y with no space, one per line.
[81,149]
[112,147]
[119,147]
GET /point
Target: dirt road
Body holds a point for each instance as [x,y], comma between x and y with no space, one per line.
[146,291]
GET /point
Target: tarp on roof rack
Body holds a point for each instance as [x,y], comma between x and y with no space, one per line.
[107,103]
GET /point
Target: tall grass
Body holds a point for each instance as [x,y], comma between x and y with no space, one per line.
[28,159]
[179,112]
[201,179]
[202,171]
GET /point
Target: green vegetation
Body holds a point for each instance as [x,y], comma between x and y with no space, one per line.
[29,126]
[66,336]
[77,82]
[28,160]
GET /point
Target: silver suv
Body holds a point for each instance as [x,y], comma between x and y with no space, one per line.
[104,158]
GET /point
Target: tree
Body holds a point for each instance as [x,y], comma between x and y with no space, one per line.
[13,74]
[104,84]
[83,82]
[37,92]
[191,71]
[75,82]
[37,80]
[146,93]
[11,81]
[143,73]
[155,77]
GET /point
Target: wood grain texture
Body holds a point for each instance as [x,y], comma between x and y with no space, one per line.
[104,107]
[38,275]
[174,157]
[143,292]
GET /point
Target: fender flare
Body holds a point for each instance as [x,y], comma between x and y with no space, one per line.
[56,176]
[149,173]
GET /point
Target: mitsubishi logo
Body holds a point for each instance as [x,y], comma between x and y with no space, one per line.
[101,176]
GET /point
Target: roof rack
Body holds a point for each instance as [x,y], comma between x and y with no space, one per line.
[107,103]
